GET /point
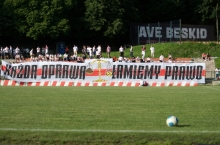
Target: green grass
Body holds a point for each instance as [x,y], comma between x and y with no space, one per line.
[109,115]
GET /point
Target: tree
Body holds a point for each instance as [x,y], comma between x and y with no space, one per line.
[109,17]
[210,11]
[40,18]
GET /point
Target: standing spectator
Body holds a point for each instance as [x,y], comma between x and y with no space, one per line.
[131,51]
[90,53]
[6,52]
[75,49]
[161,58]
[10,52]
[99,48]
[152,51]
[84,51]
[121,51]
[32,53]
[46,49]
[98,54]
[94,51]
[143,52]
[108,50]
[17,50]
[89,50]
[38,51]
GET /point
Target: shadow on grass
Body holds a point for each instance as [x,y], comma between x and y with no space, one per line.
[183,125]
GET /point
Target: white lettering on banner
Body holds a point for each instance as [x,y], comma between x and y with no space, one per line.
[103,70]
[193,33]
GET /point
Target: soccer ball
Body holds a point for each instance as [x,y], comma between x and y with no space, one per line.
[172,121]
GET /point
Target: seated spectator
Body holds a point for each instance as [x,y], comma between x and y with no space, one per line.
[148,59]
[133,59]
[120,59]
[161,58]
[203,56]
[65,57]
[114,59]
[208,57]
[169,56]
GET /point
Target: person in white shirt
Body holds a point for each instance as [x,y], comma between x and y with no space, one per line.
[31,53]
[89,49]
[120,59]
[75,49]
[90,53]
[121,51]
[148,59]
[161,58]
[152,51]
[97,54]
[6,52]
[65,57]
[17,50]
[143,52]
[38,51]
[46,49]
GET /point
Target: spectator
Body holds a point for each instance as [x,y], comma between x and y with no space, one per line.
[169,56]
[208,57]
[108,50]
[114,58]
[17,50]
[148,59]
[10,52]
[65,57]
[94,51]
[143,52]
[161,58]
[152,51]
[38,51]
[47,49]
[203,56]
[75,49]
[121,51]
[120,59]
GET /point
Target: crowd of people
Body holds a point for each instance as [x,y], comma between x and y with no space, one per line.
[76,55]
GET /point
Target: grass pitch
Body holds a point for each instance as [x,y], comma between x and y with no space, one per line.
[109,115]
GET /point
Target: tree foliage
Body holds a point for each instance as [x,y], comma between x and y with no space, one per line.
[94,19]
[40,18]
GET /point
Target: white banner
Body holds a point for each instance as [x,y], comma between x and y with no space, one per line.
[103,70]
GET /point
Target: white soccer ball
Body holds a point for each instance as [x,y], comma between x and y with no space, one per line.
[172,121]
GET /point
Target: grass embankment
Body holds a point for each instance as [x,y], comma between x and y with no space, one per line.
[109,115]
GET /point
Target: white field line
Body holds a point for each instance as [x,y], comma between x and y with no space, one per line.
[107,131]
[211,88]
